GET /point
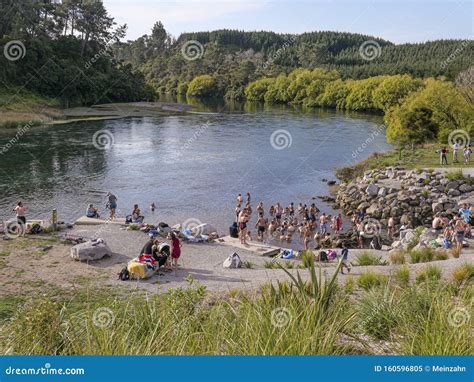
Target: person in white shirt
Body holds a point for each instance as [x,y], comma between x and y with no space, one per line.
[455,151]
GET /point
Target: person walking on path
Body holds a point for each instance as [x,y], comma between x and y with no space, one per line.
[345,260]
[467,154]
[112,204]
[20,210]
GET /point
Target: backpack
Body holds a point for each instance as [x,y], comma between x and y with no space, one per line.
[233,261]
[124,275]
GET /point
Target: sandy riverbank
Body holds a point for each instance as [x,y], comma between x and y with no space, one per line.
[25,267]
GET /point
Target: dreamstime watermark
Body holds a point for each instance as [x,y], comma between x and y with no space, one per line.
[459,136]
[104,51]
[281,139]
[44,370]
[361,148]
[14,50]
[279,52]
[370,50]
[197,133]
[280,317]
[192,50]
[193,225]
[103,317]
[459,316]
[103,139]
[455,54]
[14,229]
[20,132]
[372,227]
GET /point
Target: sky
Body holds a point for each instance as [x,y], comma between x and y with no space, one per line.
[397,21]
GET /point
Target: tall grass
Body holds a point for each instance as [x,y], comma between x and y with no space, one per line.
[367,258]
[289,318]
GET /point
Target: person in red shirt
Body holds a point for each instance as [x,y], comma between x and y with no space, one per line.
[175,250]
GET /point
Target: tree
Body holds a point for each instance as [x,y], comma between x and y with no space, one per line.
[202,86]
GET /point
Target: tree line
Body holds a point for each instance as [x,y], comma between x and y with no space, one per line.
[415,110]
[66,51]
[235,58]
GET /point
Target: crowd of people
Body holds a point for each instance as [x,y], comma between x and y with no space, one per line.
[456,229]
[283,223]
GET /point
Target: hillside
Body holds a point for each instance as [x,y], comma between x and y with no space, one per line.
[236,58]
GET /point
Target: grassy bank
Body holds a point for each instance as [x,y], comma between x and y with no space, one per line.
[316,317]
[21,108]
[422,157]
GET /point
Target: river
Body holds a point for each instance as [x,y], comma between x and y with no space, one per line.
[192,165]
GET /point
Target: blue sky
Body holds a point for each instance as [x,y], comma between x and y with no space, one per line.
[397,21]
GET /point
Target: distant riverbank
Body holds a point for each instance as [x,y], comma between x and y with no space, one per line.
[28,109]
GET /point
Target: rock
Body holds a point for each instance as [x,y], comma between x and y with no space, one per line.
[465,188]
[405,219]
[374,209]
[363,206]
[453,185]
[331,182]
[372,190]
[90,251]
[382,191]
[454,193]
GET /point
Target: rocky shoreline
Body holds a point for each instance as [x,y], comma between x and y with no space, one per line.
[411,197]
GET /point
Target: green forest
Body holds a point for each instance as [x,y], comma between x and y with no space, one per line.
[74,53]
[64,51]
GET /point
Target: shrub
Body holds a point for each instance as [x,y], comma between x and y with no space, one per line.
[441,255]
[247,264]
[455,253]
[464,273]
[369,279]
[307,258]
[430,273]
[367,258]
[349,285]
[455,175]
[202,86]
[422,255]
[378,312]
[398,258]
[402,275]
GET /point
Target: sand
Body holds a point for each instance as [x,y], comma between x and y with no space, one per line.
[25,267]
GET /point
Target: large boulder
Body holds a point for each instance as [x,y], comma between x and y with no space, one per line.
[437,207]
[465,188]
[453,185]
[372,190]
[90,251]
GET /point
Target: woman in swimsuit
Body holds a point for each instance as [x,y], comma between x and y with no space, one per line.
[459,228]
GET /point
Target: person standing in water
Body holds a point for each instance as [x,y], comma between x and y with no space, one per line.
[20,210]
[112,204]
[261,226]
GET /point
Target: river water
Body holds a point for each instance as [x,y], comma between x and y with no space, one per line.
[192,165]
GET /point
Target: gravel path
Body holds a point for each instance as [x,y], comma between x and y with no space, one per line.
[203,262]
[200,263]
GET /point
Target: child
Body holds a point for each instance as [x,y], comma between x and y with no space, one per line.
[248,236]
[446,236]
[175,250]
